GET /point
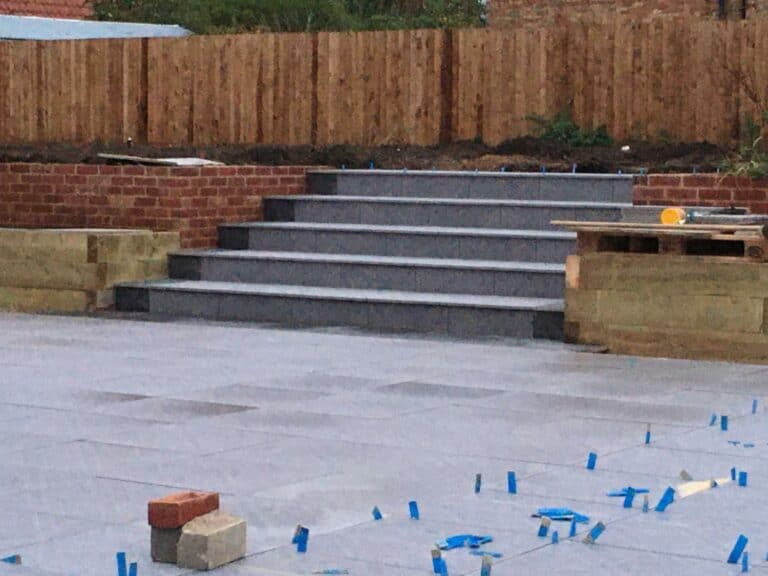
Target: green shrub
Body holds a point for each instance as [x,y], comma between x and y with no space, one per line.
[222,16]
[751,159]
[562,128]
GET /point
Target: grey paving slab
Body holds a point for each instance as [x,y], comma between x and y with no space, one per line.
[98,416]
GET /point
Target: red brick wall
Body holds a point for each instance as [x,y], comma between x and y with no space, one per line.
[510,13]
[78,9]
[701,190]
[192,201]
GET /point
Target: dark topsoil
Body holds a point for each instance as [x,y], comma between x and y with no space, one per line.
[522,154]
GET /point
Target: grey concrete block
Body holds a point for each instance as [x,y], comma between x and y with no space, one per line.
[212,541]
[164,544]
[132,298]
[184,266]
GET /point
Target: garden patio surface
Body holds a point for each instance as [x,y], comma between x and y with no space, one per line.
[98,416]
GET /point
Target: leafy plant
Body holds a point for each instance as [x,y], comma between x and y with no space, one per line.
[222,16]
[562,128]
[751,159]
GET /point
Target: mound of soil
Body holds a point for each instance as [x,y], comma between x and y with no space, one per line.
[521,154]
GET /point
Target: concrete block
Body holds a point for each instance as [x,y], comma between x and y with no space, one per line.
[164,544]
[176,510]
[211,541]
[33,300]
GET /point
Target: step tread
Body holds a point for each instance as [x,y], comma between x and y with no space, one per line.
[418,230]
[454,201]
[495,265]
[486,174]
[357,295]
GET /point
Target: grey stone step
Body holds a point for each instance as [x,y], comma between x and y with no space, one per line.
[411,241]
[470,213]
[521,279]
[499,185]
[457,315]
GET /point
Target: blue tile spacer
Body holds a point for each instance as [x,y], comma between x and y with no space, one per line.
[572,531]
[300,538]
[122,569]
[738,548]
[478,483]
[724,423]
[713,420]
[648,435]
[733,474]
[376,513]
[754,406]
[485,569]
[371,166]
[15,559]
[745,562]
[743,479]
[667,498]
[555,537]
[511,483]
[133,569]
[595,533]
[544,527]
[629,498]
[591,461]
[413,508]
[645,504]
[437,561]
[573,168]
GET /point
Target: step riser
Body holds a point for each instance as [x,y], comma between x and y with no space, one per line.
[413,245]
[514,218]
[298,312]
[363,276]
[509,187]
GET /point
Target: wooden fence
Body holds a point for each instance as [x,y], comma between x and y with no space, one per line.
[690,81]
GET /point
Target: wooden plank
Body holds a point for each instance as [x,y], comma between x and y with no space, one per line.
[681,311]
[663,228]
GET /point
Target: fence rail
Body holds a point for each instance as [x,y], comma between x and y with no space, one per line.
[685,80]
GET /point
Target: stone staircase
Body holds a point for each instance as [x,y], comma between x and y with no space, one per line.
[460,254]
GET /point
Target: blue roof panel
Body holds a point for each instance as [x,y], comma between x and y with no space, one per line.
[33,28]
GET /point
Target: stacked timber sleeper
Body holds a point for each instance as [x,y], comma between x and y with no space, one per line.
[462,254]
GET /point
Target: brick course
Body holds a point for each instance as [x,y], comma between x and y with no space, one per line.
[701,190]
[177,509]
[509,13]
[78,9]
[191,201]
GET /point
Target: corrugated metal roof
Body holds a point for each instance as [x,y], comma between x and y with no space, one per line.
[33,28]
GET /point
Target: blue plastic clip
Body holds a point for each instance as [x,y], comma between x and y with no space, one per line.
[743,479]
[733,474]
[133,569]
[724,423]
[511,483]
[734,442]
[645,504]
[371,166]
[343,166]
[648,435]
[503,168]
[437,561]
[544,527]
[667,498]
[754,406]
[543,169]
[738,548]
[555,537]
[591,461]
[478,483]
[748,445]
[572,531]
[376,513]
[745,562]
[485,569]
[595,533]
[300,538]
[15,559]
[413,508]
[713,420]
[122,569]
[620,172]
[485,553]
[629,497]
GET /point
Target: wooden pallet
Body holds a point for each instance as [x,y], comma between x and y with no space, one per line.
[749,242]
